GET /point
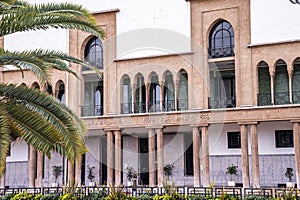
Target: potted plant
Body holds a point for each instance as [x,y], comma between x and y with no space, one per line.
[289,173]
[231,170]
[91,175]
[57,171]
[168,168]
[131,175]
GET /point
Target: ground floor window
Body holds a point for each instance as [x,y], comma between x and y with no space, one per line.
[188,155]
[234,140]
[284,138]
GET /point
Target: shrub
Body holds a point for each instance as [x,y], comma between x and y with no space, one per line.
[50,197]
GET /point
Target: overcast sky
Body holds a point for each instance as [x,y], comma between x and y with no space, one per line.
[271,21]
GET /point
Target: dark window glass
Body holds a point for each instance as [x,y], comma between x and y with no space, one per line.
[93,53]
[234,140]
[221,40]
[188,155]
[284,138]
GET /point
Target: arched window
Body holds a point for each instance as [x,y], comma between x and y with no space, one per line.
[140,94]
[264,84]
[154,94]
[127,101]
[221,40]
[169,96]
[93,53]
[60,91]
[182,101]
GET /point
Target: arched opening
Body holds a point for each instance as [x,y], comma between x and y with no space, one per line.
[154,103]
[182,101]
[93,96]
[264,84]
[126,106]
[222,85]
[60,91]
[281,84]
[169,92]
[221,40]
[93,53]
[296,82]
[35,85]
[140,94]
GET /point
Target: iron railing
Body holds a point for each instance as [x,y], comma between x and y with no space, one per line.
[91,110]
[169,105]
[139,107]
[221,102]
[221,52]
[182,104]
[264,99]
[126,108]
[154,106]
[237,192]
[281,98]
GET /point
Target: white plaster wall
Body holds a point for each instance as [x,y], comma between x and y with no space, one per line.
[130,154]
[19,152]
[266,138]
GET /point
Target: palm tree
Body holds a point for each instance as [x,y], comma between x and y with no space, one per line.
[35,117]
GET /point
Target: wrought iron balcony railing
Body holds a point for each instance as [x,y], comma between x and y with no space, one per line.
[221,102]
[154,106]
[126,108]
[281,98]
[296,97]
[91,110]
[139,107]
[221,52]
[182,104]
[264,99]
[169,105]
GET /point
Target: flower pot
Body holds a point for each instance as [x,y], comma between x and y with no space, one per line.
[92,184]
[231,183]
[54,184]
[290,184]
[129,183]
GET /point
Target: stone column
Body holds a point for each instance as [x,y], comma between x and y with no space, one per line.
[110,155]
[118,157]
[160,157]
[296,132]
[290,72]
[245,158]
[78,164]
[196,155]
[272,87]
[161,106]
[40,169]
[255,157]
[151,146]
[205,155]
[176,95]
[147,96]
[32,166]
[133,97]
[71,172]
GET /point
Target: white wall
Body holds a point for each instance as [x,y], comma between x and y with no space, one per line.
[19,152]
[218,144]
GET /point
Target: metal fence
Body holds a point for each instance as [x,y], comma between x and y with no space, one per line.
[238,193]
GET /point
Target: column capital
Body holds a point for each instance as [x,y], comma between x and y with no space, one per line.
[248,123]
[295,121]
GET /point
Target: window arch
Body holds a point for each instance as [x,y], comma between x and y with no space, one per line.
[60,91]
[221,40]
[93,53]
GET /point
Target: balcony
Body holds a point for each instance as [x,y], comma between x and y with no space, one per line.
[169,105]
[221,102]
[264,99]
[139,107]
[221,52]
[154,106]
[182,104]
[126,108]
[91,110]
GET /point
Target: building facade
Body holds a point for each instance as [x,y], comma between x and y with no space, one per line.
[226,102]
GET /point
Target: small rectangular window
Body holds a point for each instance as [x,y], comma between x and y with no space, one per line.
[284,138]
[188,155]
[234,140]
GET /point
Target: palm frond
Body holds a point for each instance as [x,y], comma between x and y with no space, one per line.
[39,17]
[49,120]
[4,137]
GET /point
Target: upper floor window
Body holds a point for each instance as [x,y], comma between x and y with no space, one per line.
[93,53]
[221,40]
